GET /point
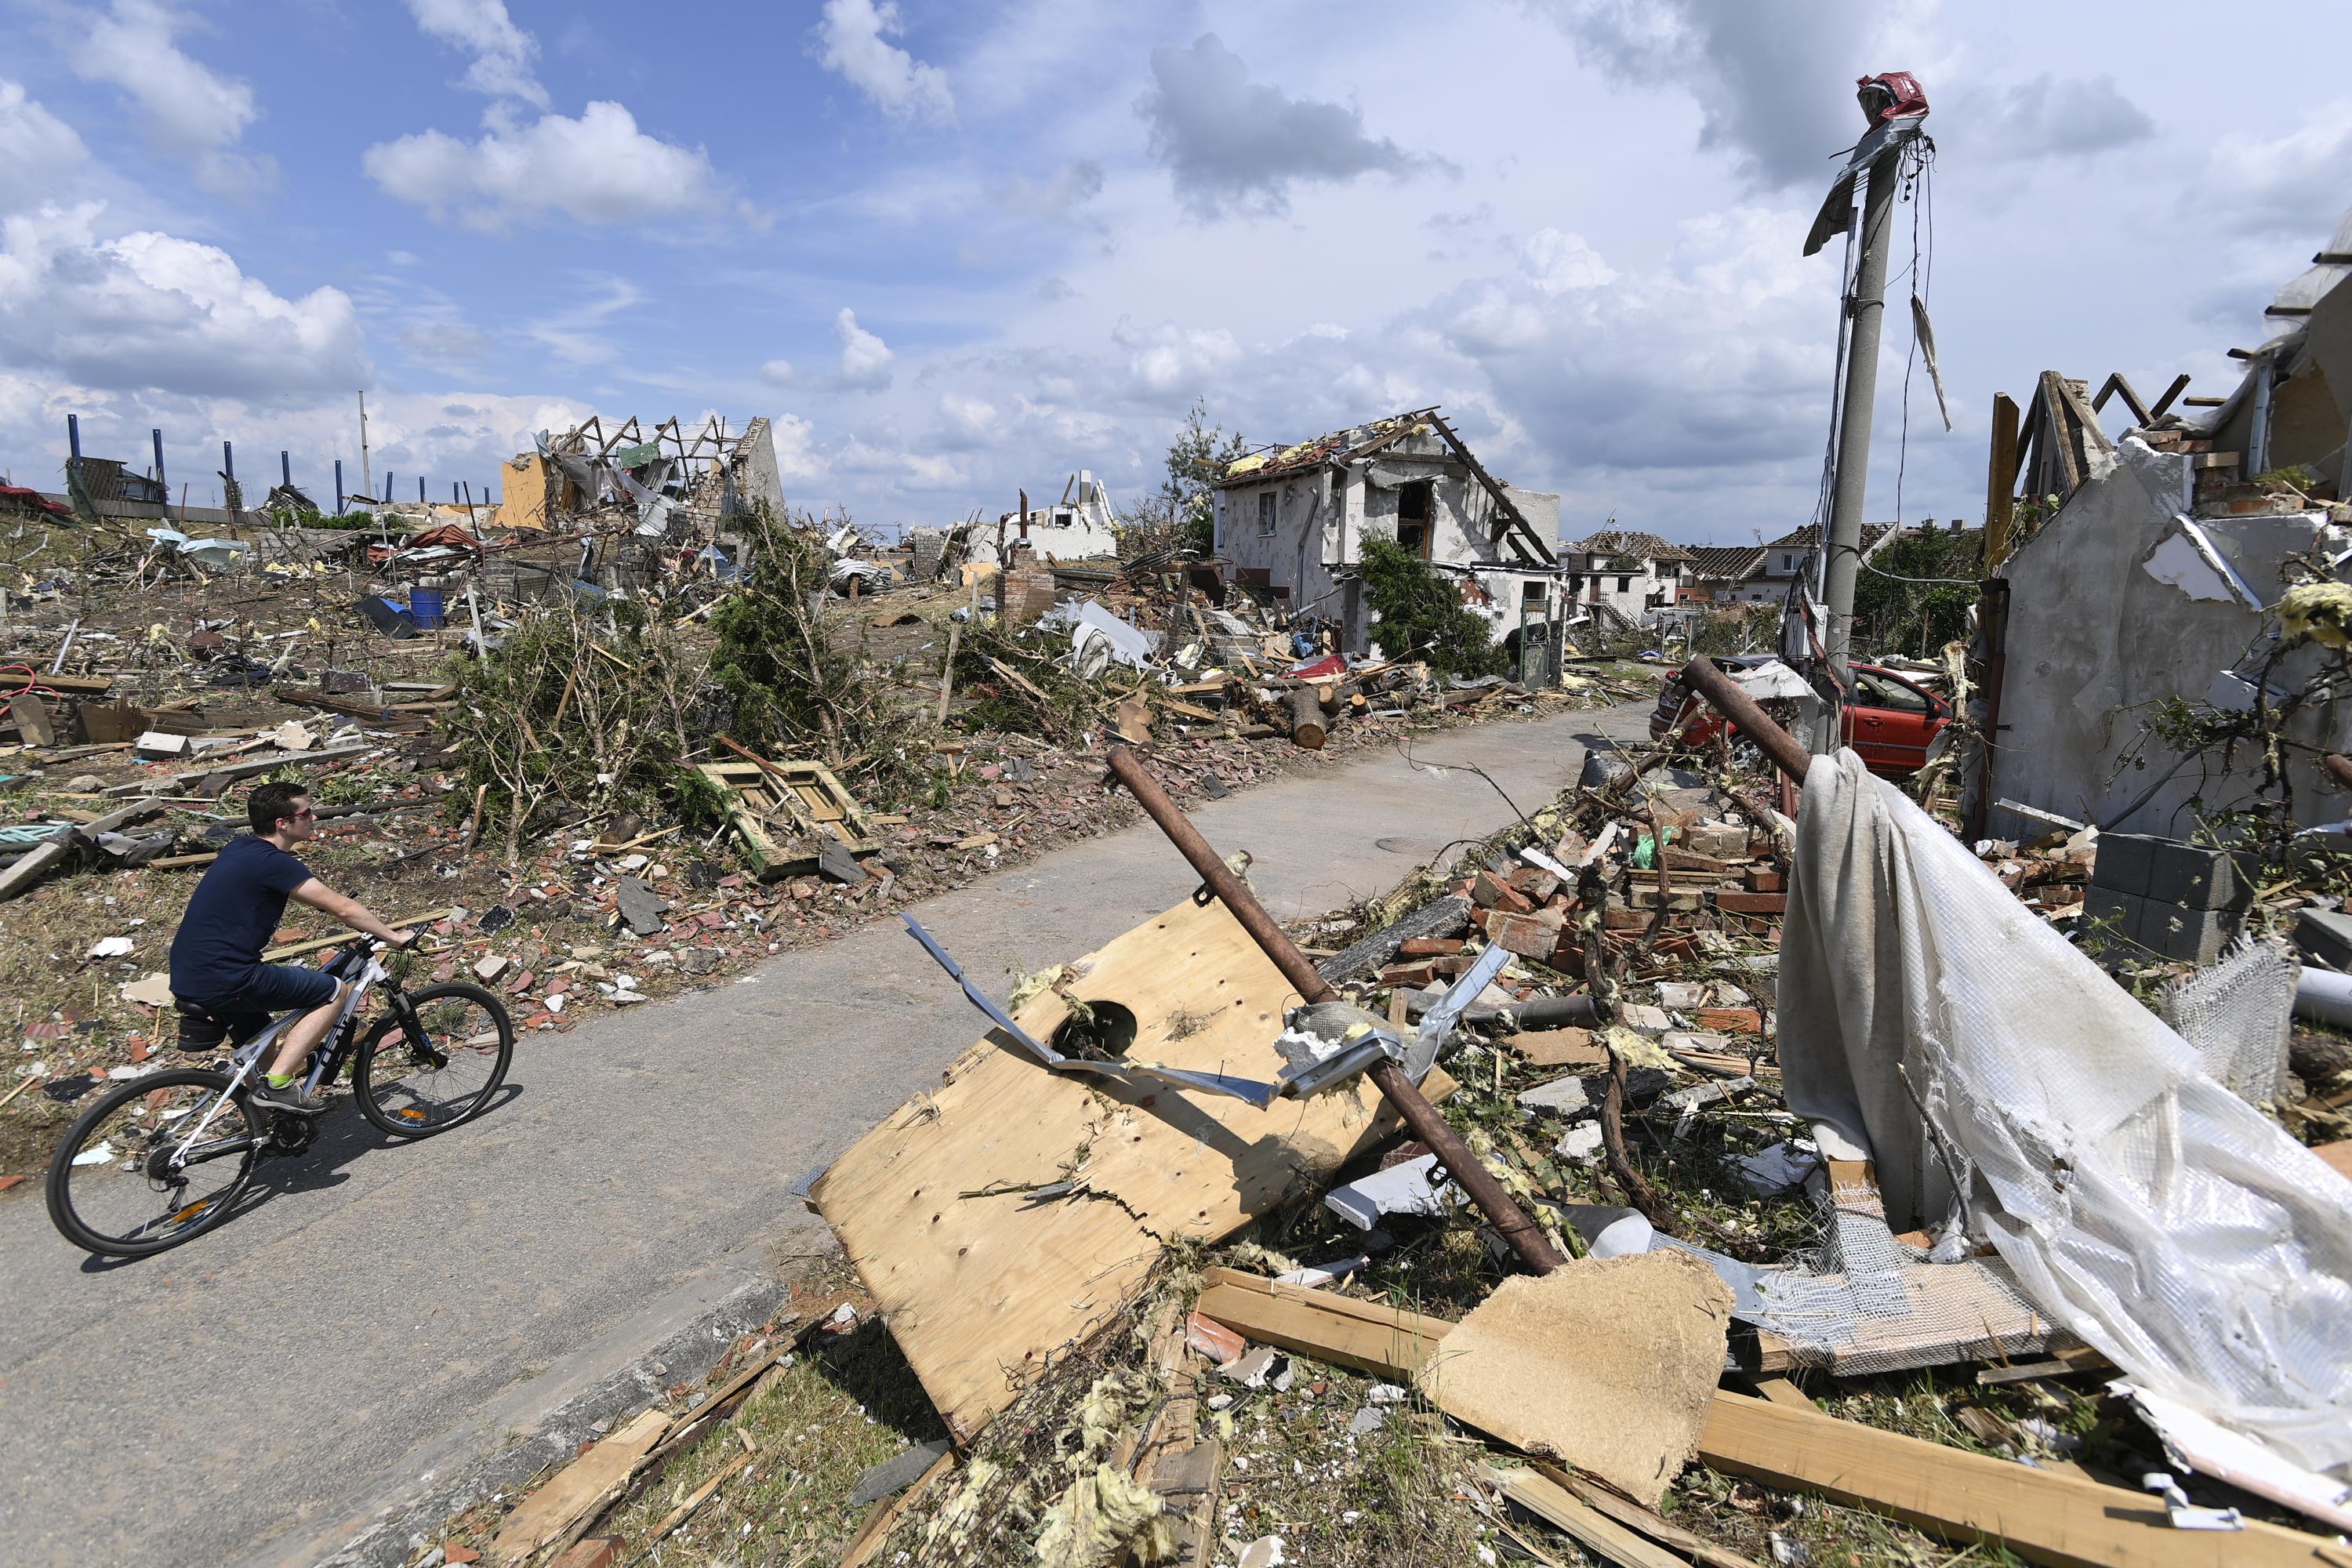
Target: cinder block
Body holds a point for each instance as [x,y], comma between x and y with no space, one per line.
[2116,913]
[2196,877]
[2177,930]
[2326,935]
[2124,861]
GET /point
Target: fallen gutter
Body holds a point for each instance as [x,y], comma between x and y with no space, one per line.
[1419,1116]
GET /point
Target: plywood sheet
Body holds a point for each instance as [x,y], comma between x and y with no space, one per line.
[1608,1364]
[981,1292]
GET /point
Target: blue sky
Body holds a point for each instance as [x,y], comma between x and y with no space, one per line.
[958,250]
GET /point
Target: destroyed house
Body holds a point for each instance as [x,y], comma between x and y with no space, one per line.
[670,478]
[1292,520]
[1752,574]
[2179,569]
[1079,527]
[1634,575]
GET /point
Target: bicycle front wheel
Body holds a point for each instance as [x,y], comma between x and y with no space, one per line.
[153,1164]
[414,1081]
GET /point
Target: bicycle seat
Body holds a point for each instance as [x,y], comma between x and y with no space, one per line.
[201,1029]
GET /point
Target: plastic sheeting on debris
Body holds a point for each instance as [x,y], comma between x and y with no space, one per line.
[213,553]
[2147,1209]
[1770,681]
[1098,638]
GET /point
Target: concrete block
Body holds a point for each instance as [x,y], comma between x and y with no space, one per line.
[2326,935]
[2116,913]
[2177,930]
[2196,877]
[2124,861]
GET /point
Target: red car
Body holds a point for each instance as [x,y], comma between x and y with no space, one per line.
[1891,722]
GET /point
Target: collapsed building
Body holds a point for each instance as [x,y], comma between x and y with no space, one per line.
[665,474]
[1293,521]
[2209,535]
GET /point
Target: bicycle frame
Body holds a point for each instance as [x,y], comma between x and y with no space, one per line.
[325,1060]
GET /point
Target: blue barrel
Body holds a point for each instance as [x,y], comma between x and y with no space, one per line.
[426,606]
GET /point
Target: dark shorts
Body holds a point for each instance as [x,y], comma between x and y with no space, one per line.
[274,988]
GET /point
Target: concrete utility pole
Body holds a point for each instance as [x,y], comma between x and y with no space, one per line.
[367,480]
[1867,308]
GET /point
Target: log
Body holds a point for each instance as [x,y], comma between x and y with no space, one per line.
[1305,719]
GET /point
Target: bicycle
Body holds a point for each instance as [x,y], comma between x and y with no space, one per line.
[164,1158]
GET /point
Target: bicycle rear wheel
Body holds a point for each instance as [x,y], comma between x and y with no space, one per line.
[415,1082]
[126,1182]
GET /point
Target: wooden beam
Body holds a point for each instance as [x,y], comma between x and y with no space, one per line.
[43,857]
[2179,385]
[2041,1516]
[1544,554]
[2116,386]
[245,768]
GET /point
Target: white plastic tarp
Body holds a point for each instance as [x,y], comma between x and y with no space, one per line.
[1770,681]
[2145,1207]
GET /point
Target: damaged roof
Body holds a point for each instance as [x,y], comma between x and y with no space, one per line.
[1640,546]
[1726,562]
[1338,446]
[1810,537]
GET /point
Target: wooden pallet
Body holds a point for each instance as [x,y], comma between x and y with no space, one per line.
[802,800]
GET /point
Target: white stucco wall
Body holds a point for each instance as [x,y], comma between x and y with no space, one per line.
[1322,518]
[2095,643]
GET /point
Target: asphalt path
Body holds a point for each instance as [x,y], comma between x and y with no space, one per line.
[231,1400]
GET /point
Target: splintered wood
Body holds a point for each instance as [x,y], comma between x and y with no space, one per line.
[981,1292]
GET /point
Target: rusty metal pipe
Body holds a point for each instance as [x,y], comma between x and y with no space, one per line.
[1420,1117]
[1787,754]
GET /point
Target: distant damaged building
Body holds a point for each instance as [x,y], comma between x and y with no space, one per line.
[668,477]
[1293,521]
[2165,636]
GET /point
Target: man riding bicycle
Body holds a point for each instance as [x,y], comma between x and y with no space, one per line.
[217,967]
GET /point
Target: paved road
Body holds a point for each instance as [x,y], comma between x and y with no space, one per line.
[232,1400]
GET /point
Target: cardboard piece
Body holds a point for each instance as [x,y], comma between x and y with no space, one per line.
[1607,1365]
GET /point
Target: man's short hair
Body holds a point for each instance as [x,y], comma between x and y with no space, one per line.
[271,802]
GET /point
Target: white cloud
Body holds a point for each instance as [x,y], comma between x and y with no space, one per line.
[581,332]
[898,83]
[597,169]
[1556,262]
[190,108]
[866,359]
[1170,361]
[149,310]
[777,373]
[966,421]
[1054,199]
[1233,144]
[39,154]
[2291,183]
[2047,118]
[1773,79]
[502,52]
[796,454]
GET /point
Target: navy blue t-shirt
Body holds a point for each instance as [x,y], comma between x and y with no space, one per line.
[230,916]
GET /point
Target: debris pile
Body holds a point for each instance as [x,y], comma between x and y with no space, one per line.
[599,763]
[1159,1317]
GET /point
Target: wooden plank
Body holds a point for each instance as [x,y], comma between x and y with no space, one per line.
[315,943]
[245,768]
[32,716]
[2041,1516]
[981,1293]
[43,857]
[1640,1520]
[885,1514]
[578,1490]
[1564,1511]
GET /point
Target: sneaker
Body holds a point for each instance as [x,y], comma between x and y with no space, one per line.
[291,1098]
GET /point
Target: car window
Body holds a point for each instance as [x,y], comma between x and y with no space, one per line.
[1878,691]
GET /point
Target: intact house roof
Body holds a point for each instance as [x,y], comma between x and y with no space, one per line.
[1359,442]
[1638,546]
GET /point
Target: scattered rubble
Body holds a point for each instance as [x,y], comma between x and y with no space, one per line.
[1750,1354]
